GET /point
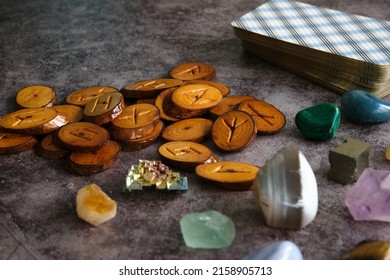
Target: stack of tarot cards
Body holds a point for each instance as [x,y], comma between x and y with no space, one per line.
[338,50]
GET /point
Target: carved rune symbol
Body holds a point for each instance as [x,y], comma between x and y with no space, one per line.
[85,134]
[197,94]
[151,84]
[22,119]
[182,151]
[135,114]
[101,105]
[84,98]
[262,116]
[222,169]
[192,71]
[232,126]
[88,97]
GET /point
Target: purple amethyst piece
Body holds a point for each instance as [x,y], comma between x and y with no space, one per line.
[369,199]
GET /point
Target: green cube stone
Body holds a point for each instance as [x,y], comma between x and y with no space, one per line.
[207,230]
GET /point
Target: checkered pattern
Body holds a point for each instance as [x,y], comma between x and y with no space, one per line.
[362,38]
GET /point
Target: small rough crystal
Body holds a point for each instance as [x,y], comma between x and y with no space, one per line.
[369,199]
[207,230]
[94,206]
[154,173]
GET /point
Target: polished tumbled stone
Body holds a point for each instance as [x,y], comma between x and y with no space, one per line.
[319,122]
[362,107]
[207,230]
[282,250]
[348,160]
[369,250]
[369,199]
[285,189]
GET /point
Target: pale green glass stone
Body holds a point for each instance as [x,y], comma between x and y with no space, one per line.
[207,230]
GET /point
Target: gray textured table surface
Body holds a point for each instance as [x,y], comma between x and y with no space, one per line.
[74,44]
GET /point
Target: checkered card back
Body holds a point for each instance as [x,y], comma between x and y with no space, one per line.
[340,33]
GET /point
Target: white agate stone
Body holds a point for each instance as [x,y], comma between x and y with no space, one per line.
[286,190]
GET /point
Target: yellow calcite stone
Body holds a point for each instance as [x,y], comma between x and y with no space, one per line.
[94,206]
[388,153]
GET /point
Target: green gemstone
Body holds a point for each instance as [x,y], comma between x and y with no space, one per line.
[319,122]
[207,230]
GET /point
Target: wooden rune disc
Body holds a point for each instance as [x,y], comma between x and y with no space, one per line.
[224,89]
[135,121]
[33,121]
[143,142]
[48,150]
[192,100]
[83,137]
[229,175]
[11,143]
[95,162]
[36,96]
[83,96]
[193,71]
[234,131]
[149,88]
[160,104]
[72,113]
[185,155]
[194,129]
[228,104]
[104,108]
[196,96]
[268,118]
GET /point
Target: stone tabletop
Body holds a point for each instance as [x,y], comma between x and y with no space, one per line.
[72,44]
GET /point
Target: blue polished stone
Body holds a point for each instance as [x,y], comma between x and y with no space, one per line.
[362,107]
[282,250]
